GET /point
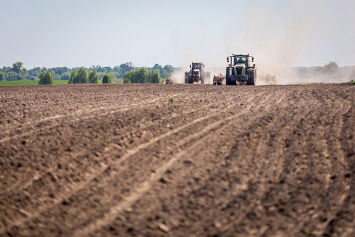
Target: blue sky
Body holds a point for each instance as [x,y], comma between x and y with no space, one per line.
[83,33]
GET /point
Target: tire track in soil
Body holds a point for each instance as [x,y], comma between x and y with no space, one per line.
[127,155]
[99,93]
[77,156]
[151,234]
[37,175]
[146,186]
[331,202]
[141,192]
[314,146]
[226,203]
[196,121]
[103,167]
[300,218]
[157,98]
[342,222]
[74,158]
[201,179]
[73,116]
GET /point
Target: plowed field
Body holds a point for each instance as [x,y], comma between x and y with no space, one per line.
[106,160]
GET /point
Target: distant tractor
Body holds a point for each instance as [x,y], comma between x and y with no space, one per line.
[240,70]
[197,73]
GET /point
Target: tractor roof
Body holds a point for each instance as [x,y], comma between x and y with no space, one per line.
[241,55]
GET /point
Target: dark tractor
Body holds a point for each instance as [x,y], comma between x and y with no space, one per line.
[240,70]
[197,73]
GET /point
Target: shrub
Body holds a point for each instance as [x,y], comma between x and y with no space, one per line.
[93,77]
[107,78]
[72,76]
[82,76]
[45,78]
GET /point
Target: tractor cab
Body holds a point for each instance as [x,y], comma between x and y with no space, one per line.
[196,66]
[196,70]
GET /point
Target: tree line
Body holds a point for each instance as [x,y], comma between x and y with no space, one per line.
[17,72]
[329,70]
[142,75]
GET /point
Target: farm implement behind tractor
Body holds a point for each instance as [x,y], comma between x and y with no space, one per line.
[268,79]
[170,80]
[218,80]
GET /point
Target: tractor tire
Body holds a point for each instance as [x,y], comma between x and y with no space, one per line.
[202,80]
[251,76]
[187,78]
[228,80]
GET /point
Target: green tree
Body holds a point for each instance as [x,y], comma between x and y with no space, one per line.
[140,75]
[16,67]
[2,76]
[156,77]
[107,78]
[65,76]
[330,69]
[45,78]
[10,76]
[127,77]
[82,76]
[73,75]
[93,77]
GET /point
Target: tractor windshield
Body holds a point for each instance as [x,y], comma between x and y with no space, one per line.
[240,59]
[196,66]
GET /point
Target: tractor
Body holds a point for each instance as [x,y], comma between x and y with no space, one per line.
[197,73]
[240,70]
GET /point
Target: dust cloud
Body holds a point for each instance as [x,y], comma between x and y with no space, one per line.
[278,39]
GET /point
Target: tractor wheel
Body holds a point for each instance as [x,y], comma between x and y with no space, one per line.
[228,79]
[188,78]
[230,82]
[251,76]
[202,80]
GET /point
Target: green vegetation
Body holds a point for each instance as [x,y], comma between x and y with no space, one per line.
[331,68]
[107,78]
[72,76]
[171,100]
[18,73]
[352,82]
[45,78]
[81,76]
[28,83]
[141,75]
[93,77]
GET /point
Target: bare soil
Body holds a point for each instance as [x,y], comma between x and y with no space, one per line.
[107,160]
